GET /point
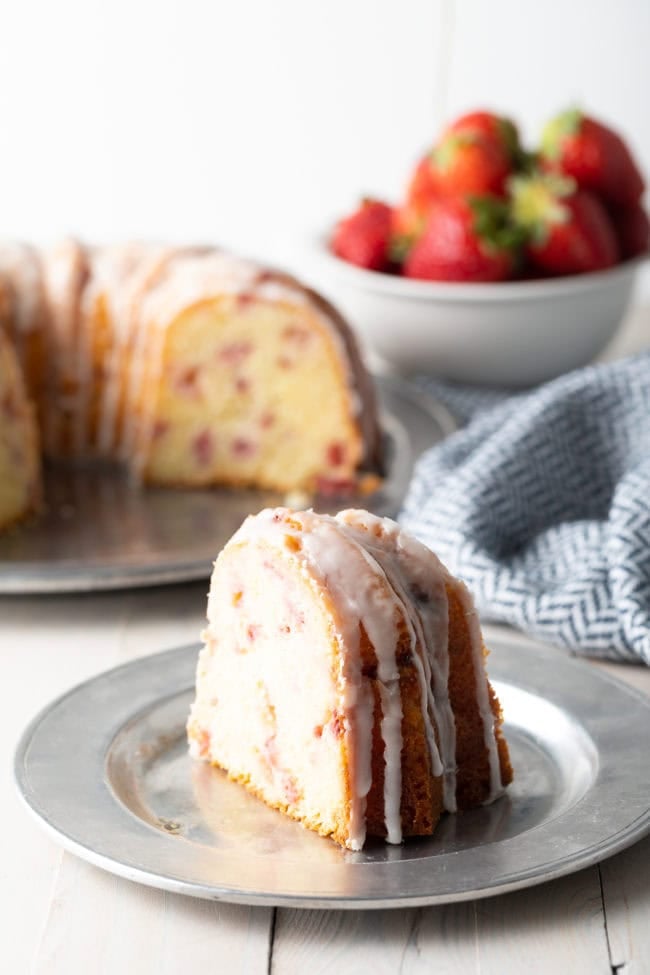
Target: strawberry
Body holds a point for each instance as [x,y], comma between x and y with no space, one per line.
[569,229]
[407,225]
[363,238]
[632,228]
[465,240]
[461,163]
[469,162]
[594,155]
[473,157]
[409,219]
[492,126]
[422,191]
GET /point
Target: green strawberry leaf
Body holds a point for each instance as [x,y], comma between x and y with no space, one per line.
[536,202]
[565,124]
[510,138]
[399,247]
[494,225]
[527,162]
[443,156]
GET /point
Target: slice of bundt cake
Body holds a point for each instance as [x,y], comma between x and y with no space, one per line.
[19,453]
[343,678]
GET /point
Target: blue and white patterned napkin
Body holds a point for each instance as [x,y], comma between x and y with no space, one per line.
[541,504]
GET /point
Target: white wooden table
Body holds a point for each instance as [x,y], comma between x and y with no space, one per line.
[60,916]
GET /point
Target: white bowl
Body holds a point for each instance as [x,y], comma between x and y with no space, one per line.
[515,333]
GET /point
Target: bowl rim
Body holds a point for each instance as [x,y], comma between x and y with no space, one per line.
[541,288]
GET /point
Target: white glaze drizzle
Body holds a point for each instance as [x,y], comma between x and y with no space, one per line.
[139,427]
[365,602]
[482,693]
[382,631]
[126,279]
[422,567]
[82,352]
[406,568]
[391,733]
[99,262]
[63,273]
[141,349]
[22,265]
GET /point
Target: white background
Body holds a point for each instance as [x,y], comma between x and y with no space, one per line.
[252,122]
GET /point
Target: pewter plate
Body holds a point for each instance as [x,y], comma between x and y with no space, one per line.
[105,770]
[99,532]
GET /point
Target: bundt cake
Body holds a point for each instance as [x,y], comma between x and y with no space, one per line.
[189,365]
[342,679]
[19,453]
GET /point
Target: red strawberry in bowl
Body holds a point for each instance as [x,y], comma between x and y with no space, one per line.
[410,217]
[594,155]
[569,230]
[363,238]
[422,191]
[492,126]
[407,226]
[469,162]
[632,228]
[465,240]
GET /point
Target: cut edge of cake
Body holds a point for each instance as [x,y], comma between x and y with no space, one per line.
[20,471]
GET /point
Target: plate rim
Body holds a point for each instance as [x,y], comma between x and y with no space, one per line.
[586,856]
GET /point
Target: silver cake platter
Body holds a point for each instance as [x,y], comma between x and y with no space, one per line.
[99,531]
[105,769]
